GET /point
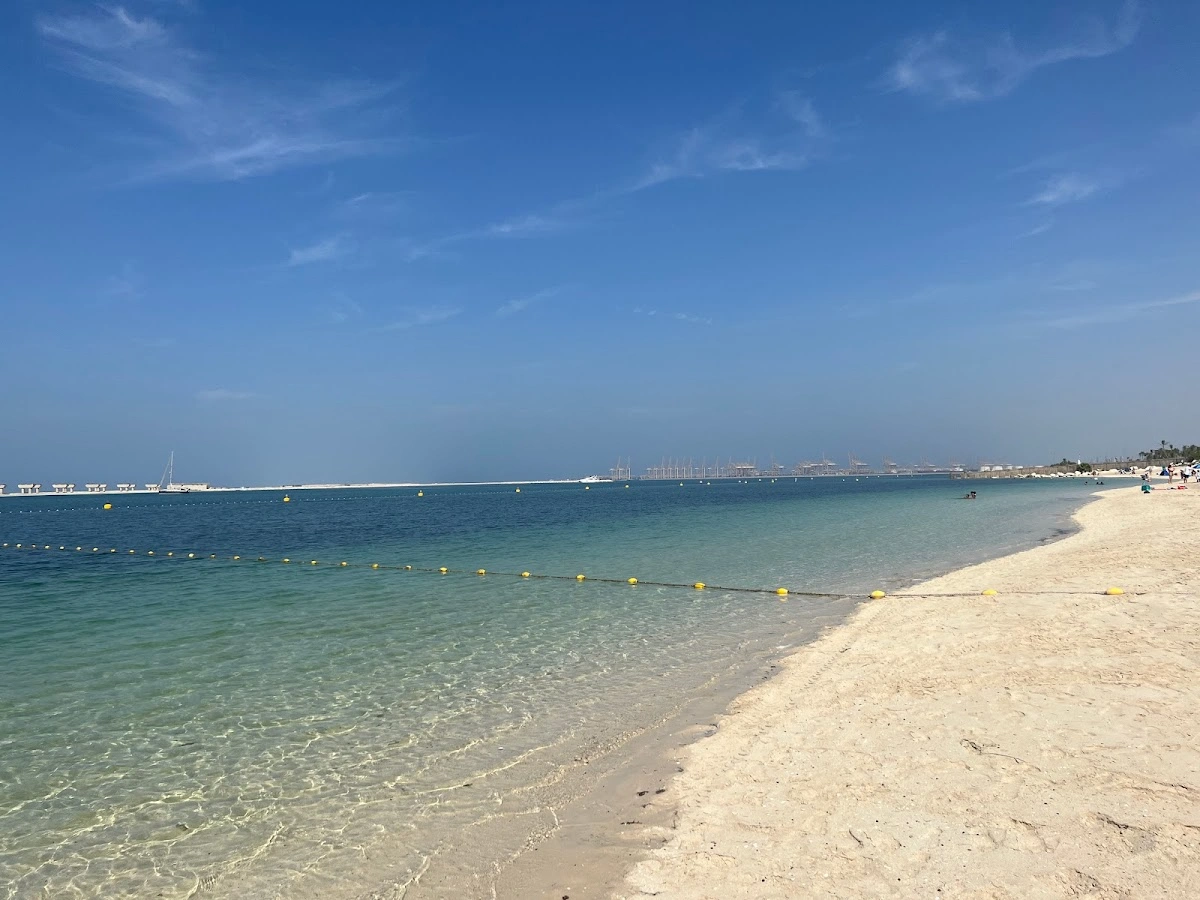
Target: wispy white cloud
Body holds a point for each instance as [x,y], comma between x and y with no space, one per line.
[688,318]
[1069,187]
[952,70]
[374,205]
[209,124]
[524,226]
[520,304]
[1119,312]
[222,395]
[789,136]
[414,317]
[326,250]
[1040,228]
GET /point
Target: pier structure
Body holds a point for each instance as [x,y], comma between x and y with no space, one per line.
[63,488]
[96,488]
[29,488]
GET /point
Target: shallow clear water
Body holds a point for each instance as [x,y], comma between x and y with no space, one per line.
[172,726]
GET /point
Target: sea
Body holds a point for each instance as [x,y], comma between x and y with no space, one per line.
[217,695]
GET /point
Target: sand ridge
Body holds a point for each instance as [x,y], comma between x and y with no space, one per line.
[1038,745]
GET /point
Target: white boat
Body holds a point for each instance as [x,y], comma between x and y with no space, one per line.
[167,485]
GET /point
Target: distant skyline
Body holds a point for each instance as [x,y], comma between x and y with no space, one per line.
[433,242]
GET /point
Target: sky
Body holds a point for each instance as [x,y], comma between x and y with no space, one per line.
[311,242]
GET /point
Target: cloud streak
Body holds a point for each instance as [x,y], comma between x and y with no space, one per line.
[952,70]
[322,251]
[415,317]
[1070,187]
[793,136]
[207,124]
[1119,312]
[520,304]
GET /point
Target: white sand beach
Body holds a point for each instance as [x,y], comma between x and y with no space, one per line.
[1042,744]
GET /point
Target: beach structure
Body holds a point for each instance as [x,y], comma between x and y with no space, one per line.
[29,488]
[63,488]
[95,488]
[126,486]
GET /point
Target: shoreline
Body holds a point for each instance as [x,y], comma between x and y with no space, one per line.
[626,804]
[872,764]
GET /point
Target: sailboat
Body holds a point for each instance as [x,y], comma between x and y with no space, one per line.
[166,484]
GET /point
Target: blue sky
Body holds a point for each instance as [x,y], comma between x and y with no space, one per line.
[311,241]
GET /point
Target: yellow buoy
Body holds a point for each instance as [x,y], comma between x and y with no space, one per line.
[1114,591]
[782,592]
[699,585]
[193,556]
[481,571]
[989,593]
[212,556]
[235,559]
[420,493]
[374,565]
[260,559]
[108,506]
[170,553]
[148,552]
[408,568]
[877,595]
[286,560]
[579,577]
[587,487]
[64,548]
[633,581]
[524,574]
[626,487]
[287,499]
[443,570]
[313,563]
[94,549]
[344,563]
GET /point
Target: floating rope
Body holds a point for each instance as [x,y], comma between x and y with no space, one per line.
[781,592]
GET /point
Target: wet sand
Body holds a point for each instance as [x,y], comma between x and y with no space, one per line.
[1040,743]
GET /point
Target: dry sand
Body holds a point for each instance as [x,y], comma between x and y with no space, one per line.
[1031,745]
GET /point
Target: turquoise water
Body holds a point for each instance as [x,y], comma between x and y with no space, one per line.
[175,727]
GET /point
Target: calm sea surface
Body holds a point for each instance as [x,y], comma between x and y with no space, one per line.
[174,727]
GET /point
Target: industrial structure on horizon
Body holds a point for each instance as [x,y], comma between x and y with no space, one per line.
[675,469]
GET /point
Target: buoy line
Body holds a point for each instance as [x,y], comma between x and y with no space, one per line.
[781,592]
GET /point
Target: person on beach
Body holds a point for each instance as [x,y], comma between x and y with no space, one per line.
[1146,487]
